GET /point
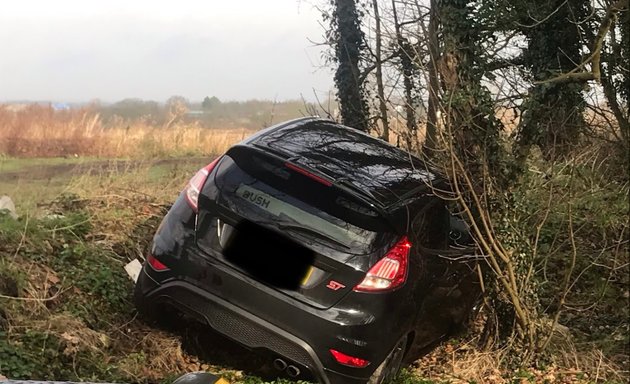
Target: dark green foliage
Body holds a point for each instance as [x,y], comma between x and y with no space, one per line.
[624,57]
[40,355]
[101,280]
[95,272]
[15,361]
[9,285]
[210,103]
[131,109]
[597,308]
[470,109]
[553,112]
[60,242]
[347,40]
[90,288]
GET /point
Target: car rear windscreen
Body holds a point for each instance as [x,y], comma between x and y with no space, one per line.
[261,188]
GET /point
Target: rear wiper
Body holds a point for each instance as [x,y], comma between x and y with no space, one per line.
[310,232]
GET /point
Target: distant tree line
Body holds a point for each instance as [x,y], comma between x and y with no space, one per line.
[211,112]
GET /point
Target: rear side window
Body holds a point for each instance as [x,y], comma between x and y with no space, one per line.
[262,189]
[431,226]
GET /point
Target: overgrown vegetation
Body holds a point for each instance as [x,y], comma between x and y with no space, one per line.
[522,106]
[65,310]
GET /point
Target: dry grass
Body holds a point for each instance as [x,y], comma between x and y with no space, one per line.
[164,351]
[39,131]
[464,363]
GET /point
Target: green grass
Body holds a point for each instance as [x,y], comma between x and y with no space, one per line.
[29,189]
[13,164]
[26,192]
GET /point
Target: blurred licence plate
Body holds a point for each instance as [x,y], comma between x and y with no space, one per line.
[270,204]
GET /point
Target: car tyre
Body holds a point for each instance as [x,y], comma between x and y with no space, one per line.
[159,315]
[389,368]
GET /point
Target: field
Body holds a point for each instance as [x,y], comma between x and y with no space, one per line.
[89,199]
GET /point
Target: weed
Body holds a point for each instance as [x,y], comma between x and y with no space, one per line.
[14,359]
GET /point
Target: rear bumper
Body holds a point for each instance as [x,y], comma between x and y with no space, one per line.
[240,325]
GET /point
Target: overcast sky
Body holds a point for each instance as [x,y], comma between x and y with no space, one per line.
[78,50]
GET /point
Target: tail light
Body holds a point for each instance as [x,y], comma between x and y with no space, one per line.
[196,183]
[348,360]
[389,272]
[156,264]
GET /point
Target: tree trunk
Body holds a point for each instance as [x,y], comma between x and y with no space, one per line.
[405,55]
[382,103]
[348,42]
[474,146]
[624,23]
[468,106]
[434,82]
[553,112]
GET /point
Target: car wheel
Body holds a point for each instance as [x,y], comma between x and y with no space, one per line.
[388,370]
[152,313]
[145,309]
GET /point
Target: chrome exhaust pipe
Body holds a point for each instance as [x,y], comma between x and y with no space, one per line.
[293,371]
[280,364]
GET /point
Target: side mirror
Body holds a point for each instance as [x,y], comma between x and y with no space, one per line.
[459,234]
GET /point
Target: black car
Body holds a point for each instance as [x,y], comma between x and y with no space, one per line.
[319,244]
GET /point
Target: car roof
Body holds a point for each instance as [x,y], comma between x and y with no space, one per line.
[385,173]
